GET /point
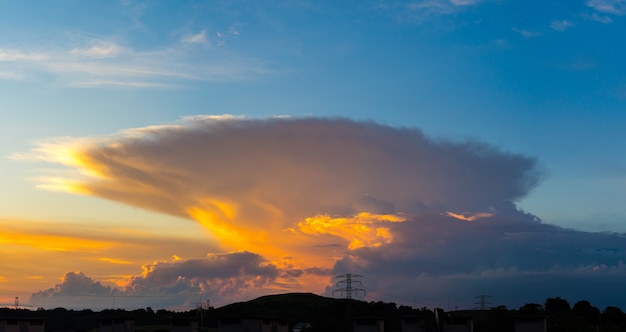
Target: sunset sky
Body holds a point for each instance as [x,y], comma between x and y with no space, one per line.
[165,153]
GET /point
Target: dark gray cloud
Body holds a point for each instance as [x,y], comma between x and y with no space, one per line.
[511,256]
[76,290]
[217,274]
[176,284]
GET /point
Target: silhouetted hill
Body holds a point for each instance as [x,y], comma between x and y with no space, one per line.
[325,314]
[294,307]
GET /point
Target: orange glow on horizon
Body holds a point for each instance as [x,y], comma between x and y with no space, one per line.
[52,242]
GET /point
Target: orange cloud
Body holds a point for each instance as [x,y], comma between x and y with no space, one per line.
[116,261]
[470,217]
[363,230]
[51,242]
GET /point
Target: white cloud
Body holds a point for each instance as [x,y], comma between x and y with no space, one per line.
[99,50]
[614,7]
[199,38]
[598,18]
[10,76]
[561,25]
[7,55]
[464,2]
[440,7]
[103,63]
[527,33]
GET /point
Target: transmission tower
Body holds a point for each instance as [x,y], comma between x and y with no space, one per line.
[345,285]
[482,302]
[17,302]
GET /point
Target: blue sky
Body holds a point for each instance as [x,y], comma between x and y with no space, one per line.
[542,79]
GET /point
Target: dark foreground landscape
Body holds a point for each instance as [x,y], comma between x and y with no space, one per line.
[308,312]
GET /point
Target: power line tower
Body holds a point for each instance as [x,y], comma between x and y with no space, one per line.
[17,302]
[345,284]
[482,303]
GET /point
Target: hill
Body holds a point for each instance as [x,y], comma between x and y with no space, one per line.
[294,307]
[325,314]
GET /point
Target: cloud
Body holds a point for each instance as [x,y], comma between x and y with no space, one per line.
[293,202]
[100,49]
[464,2]
[561,25]
[247,179]
[98,63]
[527,33]
[440,7]
[199,38]
[223,275]
[112,253]
[170,284]
[10,76]
[511,255]
[598,18]
[613,7]
[76,283]
[75,290]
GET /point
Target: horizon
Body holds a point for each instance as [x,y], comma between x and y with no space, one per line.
[479,306]
[442,149]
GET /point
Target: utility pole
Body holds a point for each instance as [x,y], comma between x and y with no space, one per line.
[345,285]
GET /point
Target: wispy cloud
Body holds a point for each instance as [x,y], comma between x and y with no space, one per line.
[527,33]
[614,7]
[199,38]
[561,25]
[10,76]
[107,64]
[440,7]
[101,49]
[597,18]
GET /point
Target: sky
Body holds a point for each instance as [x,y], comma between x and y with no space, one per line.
[166,153]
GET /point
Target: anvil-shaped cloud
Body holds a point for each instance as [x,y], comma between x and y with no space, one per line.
[314,195]
[273,185]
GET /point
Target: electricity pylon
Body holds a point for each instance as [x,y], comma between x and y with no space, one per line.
[482,304]
[347,281]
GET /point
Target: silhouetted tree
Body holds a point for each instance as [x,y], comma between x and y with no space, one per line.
[531,308]
[585,313]
[559,315]
[613,319]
